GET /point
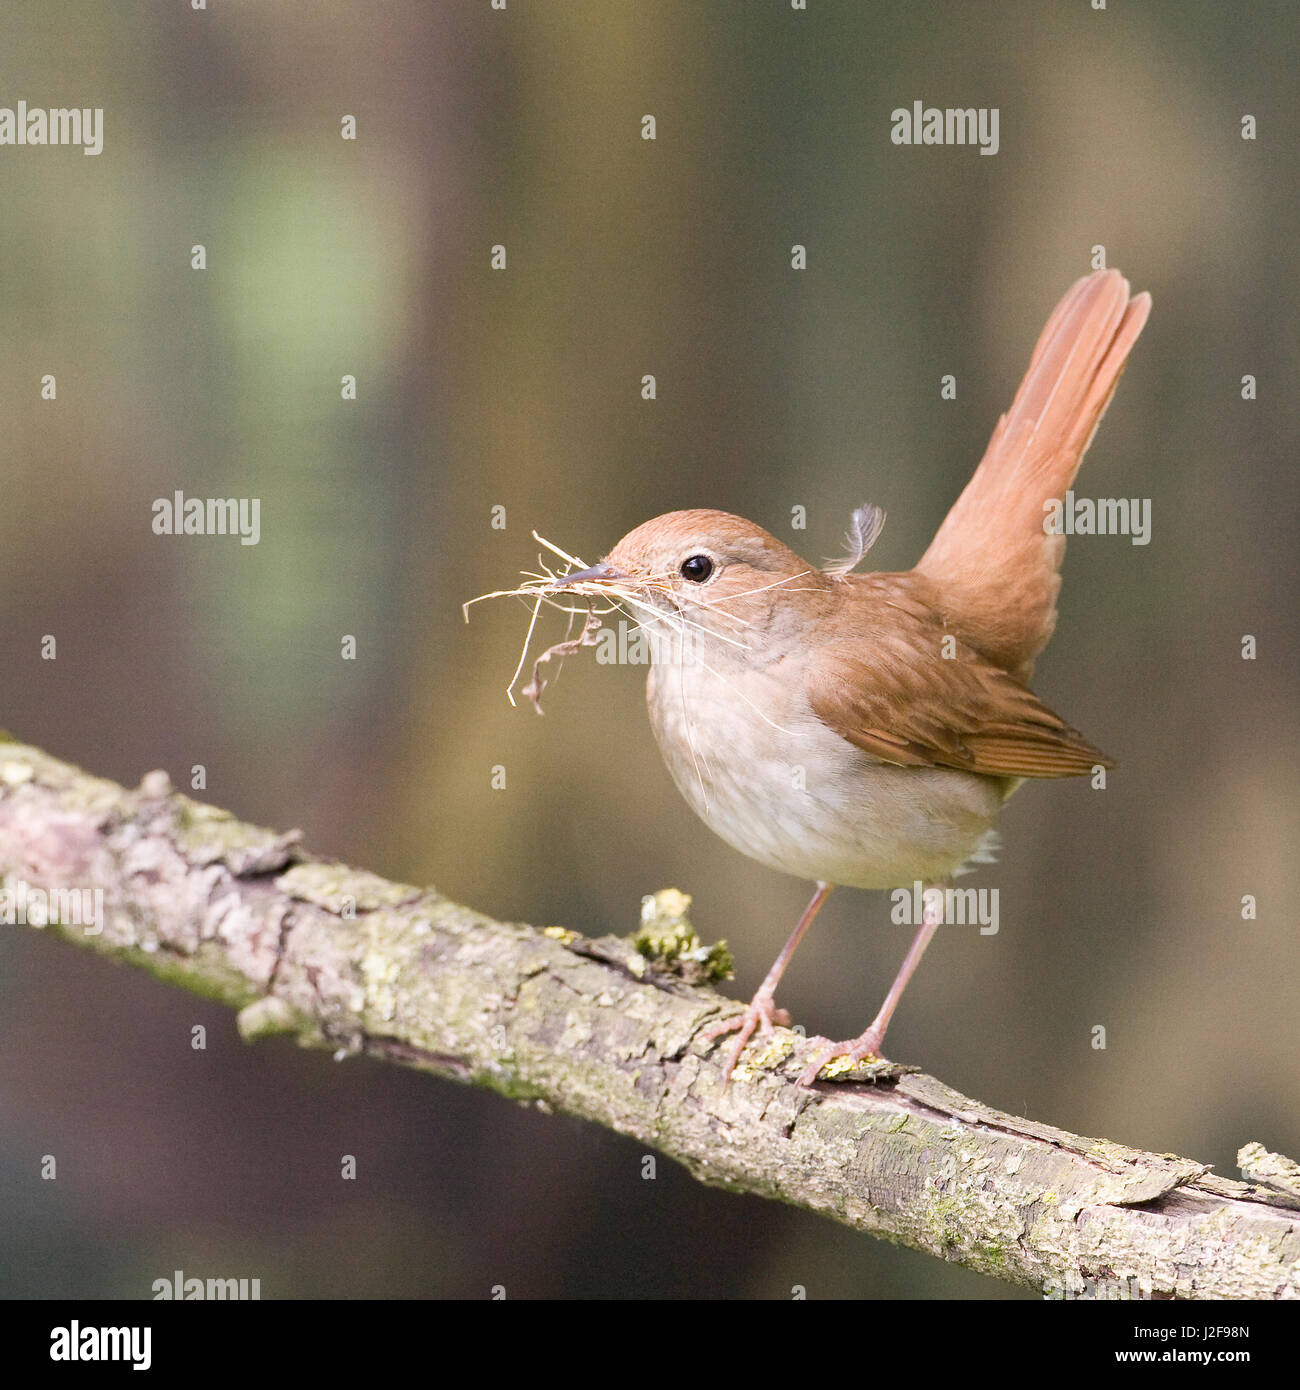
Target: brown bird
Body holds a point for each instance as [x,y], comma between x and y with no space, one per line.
[865,729]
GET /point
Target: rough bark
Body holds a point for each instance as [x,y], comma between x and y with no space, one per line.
[353,963]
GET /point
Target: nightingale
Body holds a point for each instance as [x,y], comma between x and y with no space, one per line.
[865,729]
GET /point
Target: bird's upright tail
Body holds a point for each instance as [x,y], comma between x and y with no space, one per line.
[995,565]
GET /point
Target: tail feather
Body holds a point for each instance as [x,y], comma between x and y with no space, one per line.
[993,563]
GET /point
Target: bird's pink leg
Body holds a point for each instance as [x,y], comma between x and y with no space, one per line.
[868,1044]
[761,1011]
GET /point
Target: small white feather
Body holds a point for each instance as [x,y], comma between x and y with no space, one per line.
[864,530]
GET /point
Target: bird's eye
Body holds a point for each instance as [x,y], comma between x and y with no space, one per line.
[697,568]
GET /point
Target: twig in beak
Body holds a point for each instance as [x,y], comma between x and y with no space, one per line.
[586,638]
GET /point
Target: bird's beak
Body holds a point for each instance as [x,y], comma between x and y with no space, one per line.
[597,574]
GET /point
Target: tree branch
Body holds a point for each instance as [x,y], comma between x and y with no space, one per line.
[344,960]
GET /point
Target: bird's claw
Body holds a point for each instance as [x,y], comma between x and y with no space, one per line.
[760,1013]
[855,1050]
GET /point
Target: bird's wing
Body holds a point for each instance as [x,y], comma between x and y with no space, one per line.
[905,689]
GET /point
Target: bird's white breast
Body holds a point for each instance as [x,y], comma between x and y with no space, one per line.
[756,764]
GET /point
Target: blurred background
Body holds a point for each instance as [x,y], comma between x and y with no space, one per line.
[521,389]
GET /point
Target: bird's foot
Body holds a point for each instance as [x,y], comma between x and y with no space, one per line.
[760,1013]
[854,1051]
